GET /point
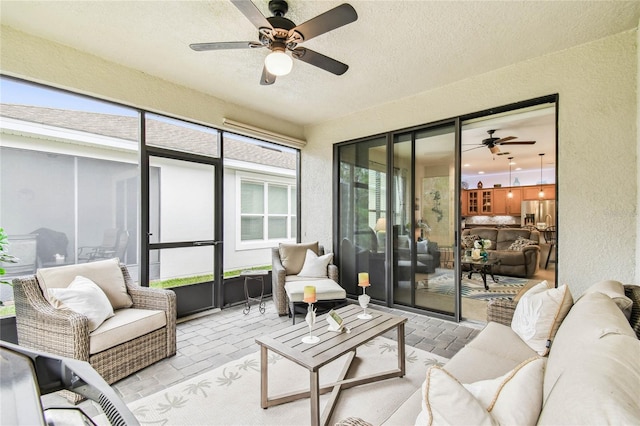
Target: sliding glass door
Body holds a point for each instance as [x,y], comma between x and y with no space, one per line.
[424,219]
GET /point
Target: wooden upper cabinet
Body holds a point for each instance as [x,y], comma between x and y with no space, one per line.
[479,202]
[531,192]
[503,204]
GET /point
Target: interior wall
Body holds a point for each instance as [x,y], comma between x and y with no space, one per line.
[597,146]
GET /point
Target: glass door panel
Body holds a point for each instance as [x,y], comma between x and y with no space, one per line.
[363,212]
[424,219]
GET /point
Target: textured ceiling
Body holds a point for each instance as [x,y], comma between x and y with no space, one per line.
[395,48]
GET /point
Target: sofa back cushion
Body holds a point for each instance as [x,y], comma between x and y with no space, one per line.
[484,234]
[599,386]
[105,273]
[507,236]
[593,317]
[293,255]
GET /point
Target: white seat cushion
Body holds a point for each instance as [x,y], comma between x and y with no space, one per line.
[326,289]
[127,324]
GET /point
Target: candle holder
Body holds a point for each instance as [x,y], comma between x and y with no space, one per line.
[363,300]
[311,320]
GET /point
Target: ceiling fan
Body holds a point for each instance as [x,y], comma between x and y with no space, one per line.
[280,35]
[492,143]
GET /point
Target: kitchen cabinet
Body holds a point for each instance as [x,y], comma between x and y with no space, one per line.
[503,204]
[479,201]
[531,192]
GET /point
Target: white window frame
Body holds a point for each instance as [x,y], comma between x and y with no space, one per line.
[265,180]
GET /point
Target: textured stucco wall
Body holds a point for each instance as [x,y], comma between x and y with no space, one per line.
[598,140]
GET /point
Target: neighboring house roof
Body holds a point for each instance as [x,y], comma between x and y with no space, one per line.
[161,133]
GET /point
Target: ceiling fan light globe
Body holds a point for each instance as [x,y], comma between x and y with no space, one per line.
[494,149]
[278,63]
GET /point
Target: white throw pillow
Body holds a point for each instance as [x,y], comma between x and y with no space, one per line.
[516,397]
[84,297]
[446,401]
[539,313]
[512,399]
[315,266]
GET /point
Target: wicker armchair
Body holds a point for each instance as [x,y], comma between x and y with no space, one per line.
[63,332]
[279,274]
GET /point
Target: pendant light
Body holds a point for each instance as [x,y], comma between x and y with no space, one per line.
[541,193]
[510,194]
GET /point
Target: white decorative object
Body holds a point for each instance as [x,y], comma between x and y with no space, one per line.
[335,321]
[363,300]
[311,320]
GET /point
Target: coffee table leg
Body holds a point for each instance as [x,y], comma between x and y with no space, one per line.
[483,274]
[264,378]
[314,387]
[401,348]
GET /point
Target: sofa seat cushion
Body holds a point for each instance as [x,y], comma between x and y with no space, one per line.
[326,289]
[105,273]
[508,257]
[591,318]
[600,386]
[494,352]
[125,325]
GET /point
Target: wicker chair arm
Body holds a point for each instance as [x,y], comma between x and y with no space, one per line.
[152,298]
[333,272]
[41,326]
[501,311]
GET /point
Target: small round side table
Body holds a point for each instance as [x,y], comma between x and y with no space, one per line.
[257,275]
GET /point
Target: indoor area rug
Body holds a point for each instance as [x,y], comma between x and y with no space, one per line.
[442,283]
[230,394]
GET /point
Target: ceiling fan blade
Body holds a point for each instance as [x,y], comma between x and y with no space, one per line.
[319,60]
[325,22]
[508,138]
[224,45]
[267,78]
[252,13]
[471,149]
[518,143]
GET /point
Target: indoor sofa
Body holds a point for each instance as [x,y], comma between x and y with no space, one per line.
[517,249]
[590,375]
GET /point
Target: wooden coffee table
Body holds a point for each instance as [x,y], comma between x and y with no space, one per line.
[332,345]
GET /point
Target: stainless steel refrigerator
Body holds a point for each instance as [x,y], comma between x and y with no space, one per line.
[540,214]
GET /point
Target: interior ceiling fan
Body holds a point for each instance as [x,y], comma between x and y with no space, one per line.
[280,35]
[492,143]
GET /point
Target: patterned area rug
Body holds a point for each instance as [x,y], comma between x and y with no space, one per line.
[442,282]
[230,394]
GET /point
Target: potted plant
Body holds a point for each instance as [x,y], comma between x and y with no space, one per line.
[5,257]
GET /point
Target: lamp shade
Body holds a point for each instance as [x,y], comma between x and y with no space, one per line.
[278,63]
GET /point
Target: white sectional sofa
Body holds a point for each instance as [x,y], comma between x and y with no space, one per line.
[591,377]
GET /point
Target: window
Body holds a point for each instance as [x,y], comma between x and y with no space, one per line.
[267,210]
